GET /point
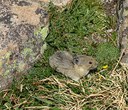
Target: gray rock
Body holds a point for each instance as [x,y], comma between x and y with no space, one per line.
[21,37]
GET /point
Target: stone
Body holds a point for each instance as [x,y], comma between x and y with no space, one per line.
[23,28]
[59,3]
[24,25]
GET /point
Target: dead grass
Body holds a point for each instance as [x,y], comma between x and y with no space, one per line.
[93,93]
[104,93]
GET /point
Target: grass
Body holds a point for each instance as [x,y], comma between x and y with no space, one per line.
[76,22]
[72,30]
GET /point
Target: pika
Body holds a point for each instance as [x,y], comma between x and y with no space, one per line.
[74,67]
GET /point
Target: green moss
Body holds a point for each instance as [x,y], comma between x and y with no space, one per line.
[107,53]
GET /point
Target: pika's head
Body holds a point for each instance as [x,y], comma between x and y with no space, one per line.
[85,62]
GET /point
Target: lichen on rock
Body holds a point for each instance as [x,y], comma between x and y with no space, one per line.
[20,47]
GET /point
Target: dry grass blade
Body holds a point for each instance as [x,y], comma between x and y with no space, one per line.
[37,107]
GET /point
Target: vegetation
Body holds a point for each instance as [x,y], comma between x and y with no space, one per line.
[72,29]
[69,28]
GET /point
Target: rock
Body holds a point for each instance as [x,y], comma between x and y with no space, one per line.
[21,43]
[124,35]
[110,7]
[23,29]
[59,3]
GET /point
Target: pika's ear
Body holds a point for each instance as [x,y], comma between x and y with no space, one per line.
[75,59]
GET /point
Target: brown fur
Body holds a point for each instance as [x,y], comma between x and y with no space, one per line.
[73,67]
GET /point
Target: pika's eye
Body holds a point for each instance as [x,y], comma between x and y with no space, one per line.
[75,60]
[90,62]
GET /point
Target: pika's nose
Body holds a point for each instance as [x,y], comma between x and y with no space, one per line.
[95,65]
